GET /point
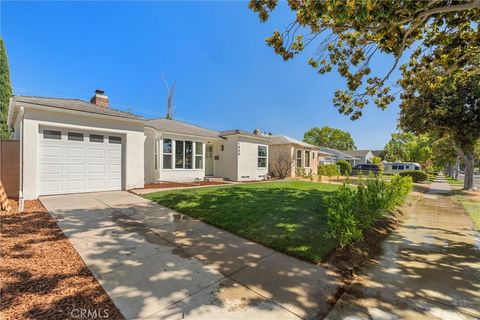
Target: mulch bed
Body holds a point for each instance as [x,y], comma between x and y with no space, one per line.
[164,185]
[41,274]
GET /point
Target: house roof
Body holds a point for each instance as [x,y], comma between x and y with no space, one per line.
[241,132]
[358,153]
[281,139]
[70,104]
[180,127]
[377,152]
[339,153]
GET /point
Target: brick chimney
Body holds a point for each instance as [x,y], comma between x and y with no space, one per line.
[100,99]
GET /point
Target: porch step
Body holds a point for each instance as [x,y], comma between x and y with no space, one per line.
[214,179]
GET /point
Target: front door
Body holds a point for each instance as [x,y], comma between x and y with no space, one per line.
[209,160]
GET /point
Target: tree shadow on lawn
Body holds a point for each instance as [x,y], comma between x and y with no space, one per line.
[287,219]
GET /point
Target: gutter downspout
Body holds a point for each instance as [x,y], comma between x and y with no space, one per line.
[21,201]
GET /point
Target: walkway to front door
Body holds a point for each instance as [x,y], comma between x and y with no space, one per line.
[157,264]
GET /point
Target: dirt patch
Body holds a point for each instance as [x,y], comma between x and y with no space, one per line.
[164,185]
[41,274]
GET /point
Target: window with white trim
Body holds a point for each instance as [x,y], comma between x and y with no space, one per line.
[167,154]
[198,155]
[262,156]
[188,155]
[156,154]
[307,159]
[299,158]
[179,154]
[52,134]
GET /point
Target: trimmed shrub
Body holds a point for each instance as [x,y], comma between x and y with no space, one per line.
[345,167]
[350,211]
[329,170]
[417,175]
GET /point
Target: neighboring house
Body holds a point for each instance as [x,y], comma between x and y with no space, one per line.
[178,151]
[70,146]
[338,155]
[73,146]
[379,153]
[364,155]
[287,154]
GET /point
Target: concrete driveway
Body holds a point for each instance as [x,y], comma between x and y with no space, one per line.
[155,263]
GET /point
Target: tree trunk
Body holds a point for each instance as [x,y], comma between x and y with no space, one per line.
[469,160]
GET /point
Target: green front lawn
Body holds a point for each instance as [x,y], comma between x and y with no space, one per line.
[286,215]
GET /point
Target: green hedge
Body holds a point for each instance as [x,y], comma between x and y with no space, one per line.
[345,167]
[417,175]
[350,211]
[329,170]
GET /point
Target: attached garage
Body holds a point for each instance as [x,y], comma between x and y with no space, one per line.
[74,146]
[79,161]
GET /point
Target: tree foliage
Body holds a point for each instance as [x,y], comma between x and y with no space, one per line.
[378,161]
[437,100]
[351,33]
[406,146]
[330,138]
[5,92]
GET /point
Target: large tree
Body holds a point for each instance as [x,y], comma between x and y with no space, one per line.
[437,99]
[351,33]
[5,92]
[330,138]
[406,146]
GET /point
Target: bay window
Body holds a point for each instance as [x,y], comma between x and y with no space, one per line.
[179,153]
[167,154]
[188,155]
[198,155]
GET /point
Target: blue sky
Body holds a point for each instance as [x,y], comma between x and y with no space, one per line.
[226,76]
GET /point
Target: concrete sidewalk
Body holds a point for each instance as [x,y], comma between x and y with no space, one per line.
[430,267]
[155,263]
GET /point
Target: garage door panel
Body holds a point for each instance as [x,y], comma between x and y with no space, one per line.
[52,168]
[114,168]
[114,183]
[75,185]
[75,168]
[52,152]
[96,184]
[96,168]
[96,153]
[114,154]
[68,166]
[75,152]
[50,187]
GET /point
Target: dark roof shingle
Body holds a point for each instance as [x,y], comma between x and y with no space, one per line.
[73,104]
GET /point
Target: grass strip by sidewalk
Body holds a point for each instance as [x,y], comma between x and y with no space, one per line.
[471,203]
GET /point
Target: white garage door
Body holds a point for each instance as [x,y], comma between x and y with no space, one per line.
[74,161]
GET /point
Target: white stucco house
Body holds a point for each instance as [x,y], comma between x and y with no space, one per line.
[185,152]
[73,146]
